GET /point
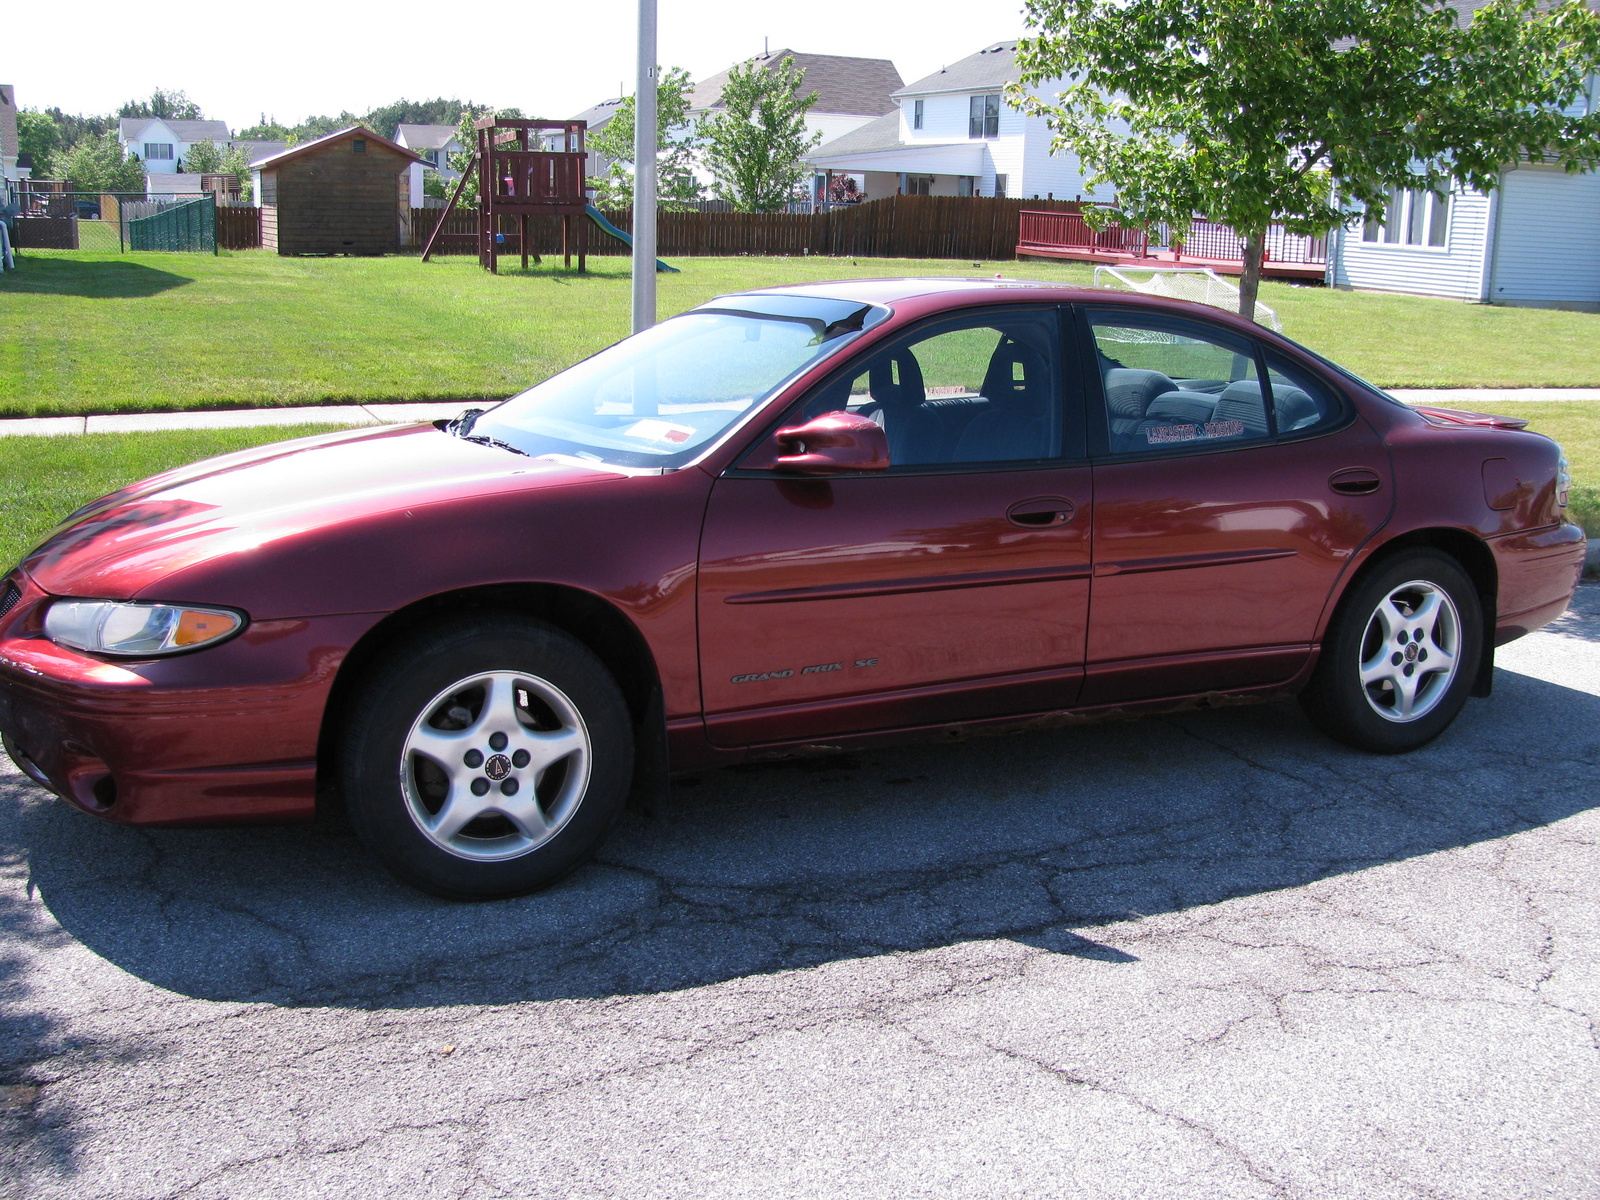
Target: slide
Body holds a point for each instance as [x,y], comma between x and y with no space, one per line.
[599,219]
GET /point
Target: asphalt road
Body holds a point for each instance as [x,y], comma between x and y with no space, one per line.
[1203,956]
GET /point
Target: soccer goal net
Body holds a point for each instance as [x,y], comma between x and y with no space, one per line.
[1199,284]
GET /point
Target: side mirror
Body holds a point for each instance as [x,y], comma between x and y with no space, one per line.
[830,444]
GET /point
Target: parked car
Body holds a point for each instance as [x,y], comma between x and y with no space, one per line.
[804,517]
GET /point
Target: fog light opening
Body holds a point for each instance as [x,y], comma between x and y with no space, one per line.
[104,791]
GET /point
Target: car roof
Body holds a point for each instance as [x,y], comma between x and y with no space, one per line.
[928,294]
[888,291]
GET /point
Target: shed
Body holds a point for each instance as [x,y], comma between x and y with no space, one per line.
[344,193]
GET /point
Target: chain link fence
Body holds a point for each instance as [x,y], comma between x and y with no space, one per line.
[112,222]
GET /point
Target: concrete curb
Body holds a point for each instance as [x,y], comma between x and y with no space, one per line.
[237,418]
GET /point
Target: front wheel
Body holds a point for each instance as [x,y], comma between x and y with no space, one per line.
[487,759]
[1400,656]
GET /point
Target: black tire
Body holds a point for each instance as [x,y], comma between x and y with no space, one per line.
[1372,715]
[406,757]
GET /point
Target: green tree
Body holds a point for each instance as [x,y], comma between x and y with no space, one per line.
[414,112]
[268,130]
[202,158]
[676,186]
[97,164]
[171,106]
[756,142]
[1306,111]
[38,136]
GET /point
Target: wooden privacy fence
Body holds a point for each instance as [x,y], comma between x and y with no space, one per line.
[238,228]
[970,227]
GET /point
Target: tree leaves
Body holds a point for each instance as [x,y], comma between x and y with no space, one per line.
[756,143]
[1308,111]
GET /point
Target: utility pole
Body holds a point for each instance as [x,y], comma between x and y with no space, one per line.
[644,173]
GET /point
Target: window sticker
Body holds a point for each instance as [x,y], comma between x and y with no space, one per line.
[659,431]
[1159,434]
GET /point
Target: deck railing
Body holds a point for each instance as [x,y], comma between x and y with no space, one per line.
[1069,231]
[1207,239]
[1203,239]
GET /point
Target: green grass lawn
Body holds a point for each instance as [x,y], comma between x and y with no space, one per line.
[87,333]
[44,478]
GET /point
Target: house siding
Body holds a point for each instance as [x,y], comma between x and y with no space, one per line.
[1548,244]
[1048,175]
[1456,269]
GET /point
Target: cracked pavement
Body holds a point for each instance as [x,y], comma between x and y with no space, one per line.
[1208,955]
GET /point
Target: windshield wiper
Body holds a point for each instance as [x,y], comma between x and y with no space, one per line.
[484,439]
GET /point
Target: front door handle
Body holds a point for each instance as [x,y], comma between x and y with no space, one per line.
[1355,481]
[1041,512]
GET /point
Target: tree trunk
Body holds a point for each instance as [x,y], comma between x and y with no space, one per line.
[1255,247]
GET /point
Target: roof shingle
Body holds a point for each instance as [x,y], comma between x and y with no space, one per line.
[858,86]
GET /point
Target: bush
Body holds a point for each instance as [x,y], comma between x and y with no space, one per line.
[1583,508]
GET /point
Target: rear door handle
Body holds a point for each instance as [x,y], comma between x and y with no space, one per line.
[1355,481]
[1041,512]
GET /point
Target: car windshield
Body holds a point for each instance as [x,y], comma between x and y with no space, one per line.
[658,398]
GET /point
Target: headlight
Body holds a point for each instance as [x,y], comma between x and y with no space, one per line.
[1563,482]
[137,630]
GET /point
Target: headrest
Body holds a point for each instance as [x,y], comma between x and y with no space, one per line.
[1130,390]
[1181,406]
[1000,382]
[888,392]
[1296,409]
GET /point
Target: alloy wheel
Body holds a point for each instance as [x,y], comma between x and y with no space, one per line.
[495,765]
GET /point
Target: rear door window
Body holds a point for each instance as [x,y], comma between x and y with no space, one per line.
[1172,384]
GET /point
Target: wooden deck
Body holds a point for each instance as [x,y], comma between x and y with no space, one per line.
[1161,258]
[1068,236]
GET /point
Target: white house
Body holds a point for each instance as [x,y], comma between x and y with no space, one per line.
[1532,240]
[850,93]
[435,143]
[953,134]
[11,170]
[161,143]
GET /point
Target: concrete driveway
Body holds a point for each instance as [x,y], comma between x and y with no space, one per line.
[1203,956]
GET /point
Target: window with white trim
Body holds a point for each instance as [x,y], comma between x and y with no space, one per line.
[1414,217]
[983,116]
[155,151]
[916,114]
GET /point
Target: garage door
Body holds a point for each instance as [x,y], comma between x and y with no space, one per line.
[1548,248]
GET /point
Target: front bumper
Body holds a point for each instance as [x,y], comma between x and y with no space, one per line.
[225,735]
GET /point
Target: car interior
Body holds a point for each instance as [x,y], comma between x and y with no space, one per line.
[1010,416]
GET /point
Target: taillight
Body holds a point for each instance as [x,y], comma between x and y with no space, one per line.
[1563,482]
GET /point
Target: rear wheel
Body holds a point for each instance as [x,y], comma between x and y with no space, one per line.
[1400,656]
[488,759]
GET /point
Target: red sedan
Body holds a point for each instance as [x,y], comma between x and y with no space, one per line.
[790,518]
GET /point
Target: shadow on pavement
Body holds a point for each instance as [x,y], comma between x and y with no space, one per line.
[97,280]
[1035,838]
[1582,618]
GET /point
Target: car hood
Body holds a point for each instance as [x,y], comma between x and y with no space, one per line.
[127,542]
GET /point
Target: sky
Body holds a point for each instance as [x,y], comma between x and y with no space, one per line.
[294,58]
